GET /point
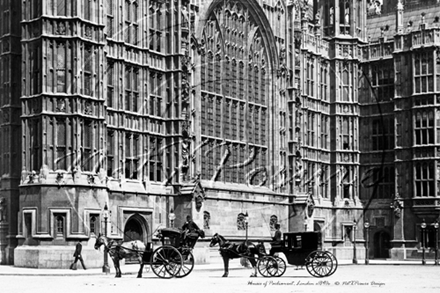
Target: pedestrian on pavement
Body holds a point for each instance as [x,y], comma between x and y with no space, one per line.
[77,256]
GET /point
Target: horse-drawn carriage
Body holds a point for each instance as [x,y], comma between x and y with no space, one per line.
[173,258]
[300,249]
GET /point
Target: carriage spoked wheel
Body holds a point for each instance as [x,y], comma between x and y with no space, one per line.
[334,262]
[187,266]
[320,263]
[166,262]
[271,266]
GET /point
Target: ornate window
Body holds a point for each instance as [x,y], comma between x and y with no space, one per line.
[424,127]
[382,136]
[131,156]
[383,81]
[324,82]
[61,144]
[423,72]
[61,67]
[88,9]
[345,133]
[132,89]
[61,7]
[345,86]
[424,179]
[156,26]
[385,179]
[310,129]
[233,75]
[110,153]
[87,145]
[94,224]
[88,68]
[324,131]
[324,180]
[110,84]
[59,226]
[156,159]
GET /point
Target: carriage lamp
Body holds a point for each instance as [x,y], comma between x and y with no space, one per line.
[423,226]
[105,215]
[367,234]
[354,242]
[436,225]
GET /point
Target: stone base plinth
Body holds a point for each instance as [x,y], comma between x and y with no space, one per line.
[56,257]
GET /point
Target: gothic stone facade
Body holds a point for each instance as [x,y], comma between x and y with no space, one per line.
[212,109]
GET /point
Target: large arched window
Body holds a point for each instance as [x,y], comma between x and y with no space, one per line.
[234,76]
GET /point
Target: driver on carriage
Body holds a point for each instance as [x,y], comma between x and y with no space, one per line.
[191,232]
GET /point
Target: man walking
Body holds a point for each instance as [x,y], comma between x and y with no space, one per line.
[77,256]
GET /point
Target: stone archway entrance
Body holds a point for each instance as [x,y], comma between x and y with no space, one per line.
[135,229]
[381,244]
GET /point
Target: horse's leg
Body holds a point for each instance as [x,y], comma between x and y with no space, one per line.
[117,268]
[141,262]
[226,265]
[254,266]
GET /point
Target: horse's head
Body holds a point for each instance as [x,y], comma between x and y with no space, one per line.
[100,240]
[214,240]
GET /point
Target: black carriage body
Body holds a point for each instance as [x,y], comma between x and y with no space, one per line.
[172,236]
[298,245]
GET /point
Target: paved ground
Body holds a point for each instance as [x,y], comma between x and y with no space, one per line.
[377,277]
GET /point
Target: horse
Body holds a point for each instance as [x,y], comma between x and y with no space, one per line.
[118,251]
[230,250]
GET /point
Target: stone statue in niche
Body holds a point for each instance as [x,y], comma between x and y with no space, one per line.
[44,173]
[2,209]
[374,7]
[397,206]
[24,175]
[332,15]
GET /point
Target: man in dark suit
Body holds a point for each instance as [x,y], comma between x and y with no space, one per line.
[77,256]
[277,241]
[191,229]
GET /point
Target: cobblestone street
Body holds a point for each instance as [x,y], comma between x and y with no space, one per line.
[348,278]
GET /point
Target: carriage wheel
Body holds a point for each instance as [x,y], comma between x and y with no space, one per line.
[166,262]
[188,264]
[263,265]
[319,263]
[334,262]
[269,266]
[280,268]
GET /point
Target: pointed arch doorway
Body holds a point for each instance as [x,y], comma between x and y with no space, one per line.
[136,228]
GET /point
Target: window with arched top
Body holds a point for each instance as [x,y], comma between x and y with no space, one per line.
[59,226]
[235,74]
[272,222]
[241,225]
[94,224]
[206,219]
